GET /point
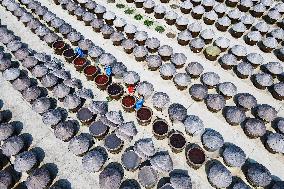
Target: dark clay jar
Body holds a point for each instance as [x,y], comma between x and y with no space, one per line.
[98,129]
[139,4]
[102,81]
[130,160]
[128,103]
[90,72]
[177,142]
[69,55]
[79,63]
[113,143]
[85,116]
[144,116]
[59,47]
[56,2]
[160,128]
[195,157]
[115,91]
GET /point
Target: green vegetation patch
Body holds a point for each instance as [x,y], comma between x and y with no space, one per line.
[129,11]
[160,29]
[138,17]
[120,5]
[148,23]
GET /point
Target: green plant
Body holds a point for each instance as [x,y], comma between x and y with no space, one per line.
[148,22]
[129,11]
[138,17]
[120,6]
[108,98]
[160,29]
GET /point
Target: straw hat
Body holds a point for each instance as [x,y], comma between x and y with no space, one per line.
[41,105]
[147,177]
[73,83]
[52,117]
[212,140]
[61,90]
[11,74]
[219,176]
[14,45]
[234,156]
[95,51]
[275,142]
[215,102]
[74,36]
[5,63]
[118,69]
[126,131]
[258,175]
[112,119]
[48,16]
[160,100]
[65,130]
[240,184]
[110,178]
[254,128]
[154,61]
[177,112]
[80,144]
[40,178]
[145,89]
[25,161]
[198,91]
[13,145]
[49,80]
[162,163]
[210,79]
[6,179]
[39,71]
[245,69]
[131,78]
[84,93]
[234,115]
[31,93]
[193,125]
[22,83]
[194,69]
[98,107]
[167,70]
[227,88]
[144,148]
[180,180]
[94,160]
[6,130]
[266,112]
[106,59]
[71,101]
